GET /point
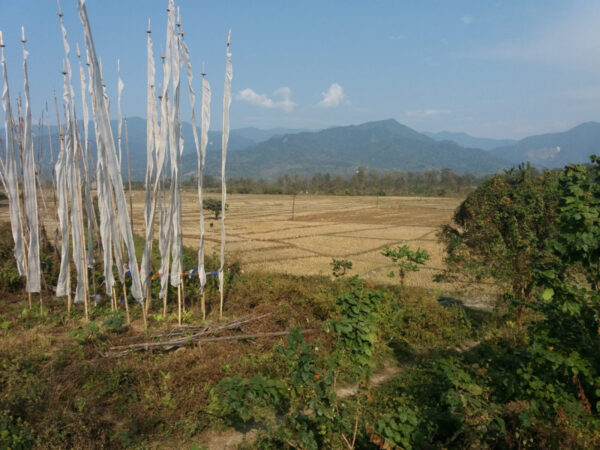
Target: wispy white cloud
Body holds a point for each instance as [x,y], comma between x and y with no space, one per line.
[466,19]
[333,97]
[282,99]
[427,113]
[397,37]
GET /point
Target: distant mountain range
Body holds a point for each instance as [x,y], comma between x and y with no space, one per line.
[555,149]
[466,140]
[239,139]
[551,150]
[381,145]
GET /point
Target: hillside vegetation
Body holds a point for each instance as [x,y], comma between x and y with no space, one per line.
[523,374]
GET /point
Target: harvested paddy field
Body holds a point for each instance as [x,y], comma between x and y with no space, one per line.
[263,237]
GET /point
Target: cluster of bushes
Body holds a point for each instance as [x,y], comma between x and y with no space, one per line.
[532,380]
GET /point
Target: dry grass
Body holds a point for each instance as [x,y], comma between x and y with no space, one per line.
[261,234]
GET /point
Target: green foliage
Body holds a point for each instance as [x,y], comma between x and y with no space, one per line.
[360,182]
[10,280]
[564,364]
[306,383]
[239,400]
[87,334]
[576,243]
[14,433]
[469,402]
[501,230]
[340,266]
[406,260]
[399,427]
[214,205]
[356,330]
[116,322]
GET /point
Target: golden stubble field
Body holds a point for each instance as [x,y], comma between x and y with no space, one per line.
[263,237]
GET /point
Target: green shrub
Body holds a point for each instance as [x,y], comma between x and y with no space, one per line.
[116,322]
[14,433]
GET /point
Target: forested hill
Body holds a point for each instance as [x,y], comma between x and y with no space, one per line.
[381,145]
[554,150]
[239,139]
[466,140]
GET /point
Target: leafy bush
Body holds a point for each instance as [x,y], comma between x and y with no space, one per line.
[501,230]
[14,433]
[115,322]
[340,266]
[356,330]
[303,396]
[406,259]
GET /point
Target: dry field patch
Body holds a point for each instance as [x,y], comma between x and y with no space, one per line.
[395,234]
[336,246]
[306,229]
[261,234]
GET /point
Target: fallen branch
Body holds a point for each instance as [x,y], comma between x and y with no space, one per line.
[253,336]
[122,350]
[185,330]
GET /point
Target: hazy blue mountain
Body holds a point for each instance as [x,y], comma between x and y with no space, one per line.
[381,145]
[260,135]
[466,140]
[136,133]
[555,149]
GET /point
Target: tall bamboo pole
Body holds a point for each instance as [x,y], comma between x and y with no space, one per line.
[129,176]
[126,303]
[179,304]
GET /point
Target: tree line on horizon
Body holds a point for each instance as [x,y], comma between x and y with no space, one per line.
[363,182]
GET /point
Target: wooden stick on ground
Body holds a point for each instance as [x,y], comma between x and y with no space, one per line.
[182,342]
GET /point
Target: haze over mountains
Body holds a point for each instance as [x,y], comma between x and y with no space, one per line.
[555,149]
[467,140]
[381,145]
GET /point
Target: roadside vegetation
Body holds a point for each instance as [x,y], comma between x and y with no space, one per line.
[523,373]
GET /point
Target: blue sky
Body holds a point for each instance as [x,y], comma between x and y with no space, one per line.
[489,68]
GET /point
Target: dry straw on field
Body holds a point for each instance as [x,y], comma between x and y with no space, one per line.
[261,234]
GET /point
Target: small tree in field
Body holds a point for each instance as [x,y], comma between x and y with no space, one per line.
[214,205]
[340,266]
[407,260]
